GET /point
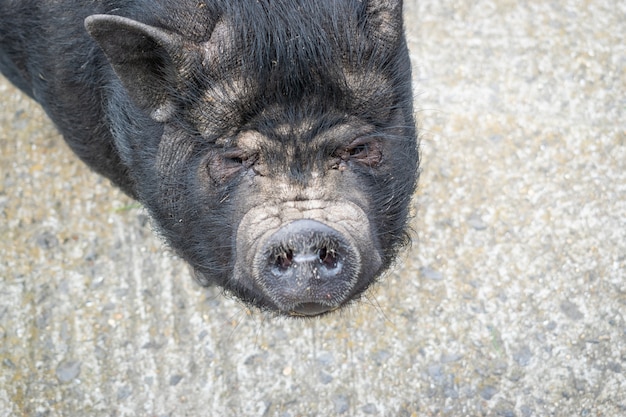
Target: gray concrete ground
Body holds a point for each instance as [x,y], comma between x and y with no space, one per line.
[511,301]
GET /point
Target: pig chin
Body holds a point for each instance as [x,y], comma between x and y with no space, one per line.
[305,258]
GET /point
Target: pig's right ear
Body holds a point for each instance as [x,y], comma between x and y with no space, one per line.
[145,58]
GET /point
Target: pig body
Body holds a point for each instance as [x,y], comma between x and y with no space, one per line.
[273,142]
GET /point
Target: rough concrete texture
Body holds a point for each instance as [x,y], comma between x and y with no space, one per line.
[511,301]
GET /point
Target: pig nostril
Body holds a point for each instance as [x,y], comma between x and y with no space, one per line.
[284,260]
[328,257]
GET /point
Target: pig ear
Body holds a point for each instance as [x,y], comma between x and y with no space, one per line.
[385,19]
[143,57]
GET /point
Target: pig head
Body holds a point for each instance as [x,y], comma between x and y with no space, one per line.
[273,142]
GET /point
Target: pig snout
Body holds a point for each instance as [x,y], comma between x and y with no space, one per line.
[305,258]
[307,267]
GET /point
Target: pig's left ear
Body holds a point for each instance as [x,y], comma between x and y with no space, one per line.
[384,19]
[145,58]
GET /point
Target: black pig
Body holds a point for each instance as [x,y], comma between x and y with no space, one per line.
[272,141]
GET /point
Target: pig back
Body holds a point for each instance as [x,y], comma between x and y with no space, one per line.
[46,52]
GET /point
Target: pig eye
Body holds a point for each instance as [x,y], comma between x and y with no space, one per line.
[223,166]
[235,160]
[358,150]
[237,157]
[363,150]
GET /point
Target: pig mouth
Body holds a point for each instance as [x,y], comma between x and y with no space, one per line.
[305,258]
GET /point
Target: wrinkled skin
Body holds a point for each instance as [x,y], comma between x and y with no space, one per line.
[273,142]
